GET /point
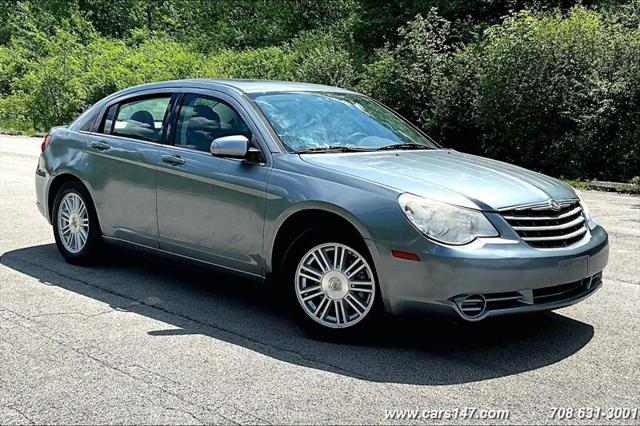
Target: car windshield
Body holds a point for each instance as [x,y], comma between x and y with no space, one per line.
[322,121]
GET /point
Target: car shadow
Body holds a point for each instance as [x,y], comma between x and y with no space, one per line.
[195,300]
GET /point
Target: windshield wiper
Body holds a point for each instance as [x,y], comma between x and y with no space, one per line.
[331,148]
[408,145]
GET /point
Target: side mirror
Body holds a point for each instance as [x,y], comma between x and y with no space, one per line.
[235,146]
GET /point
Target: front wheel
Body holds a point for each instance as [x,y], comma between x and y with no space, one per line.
[75,224]
[334,284]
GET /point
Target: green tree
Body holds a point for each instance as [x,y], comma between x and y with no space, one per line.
[406,76]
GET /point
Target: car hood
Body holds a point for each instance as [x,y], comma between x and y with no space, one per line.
[449,176]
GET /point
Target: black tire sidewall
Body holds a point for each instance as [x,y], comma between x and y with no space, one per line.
[94,239]
[299,247]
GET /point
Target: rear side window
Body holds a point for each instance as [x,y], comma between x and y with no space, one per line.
[87,126]
[138,119]
[84,122]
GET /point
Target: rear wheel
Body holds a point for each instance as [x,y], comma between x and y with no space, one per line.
[333,284]
[75,224]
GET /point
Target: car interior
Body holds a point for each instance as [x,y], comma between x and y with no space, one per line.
[202,120]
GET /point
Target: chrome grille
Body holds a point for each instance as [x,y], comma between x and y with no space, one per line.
[542,226]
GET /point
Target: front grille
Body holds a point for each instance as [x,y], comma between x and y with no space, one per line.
[544,227]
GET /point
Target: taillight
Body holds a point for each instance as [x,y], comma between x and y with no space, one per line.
[45,142]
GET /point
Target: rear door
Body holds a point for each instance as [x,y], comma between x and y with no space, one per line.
[123,155]
[211,208]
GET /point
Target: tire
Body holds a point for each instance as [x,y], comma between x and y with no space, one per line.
[78,237]
[344,306]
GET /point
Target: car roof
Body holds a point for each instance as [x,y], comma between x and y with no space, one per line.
[243,86]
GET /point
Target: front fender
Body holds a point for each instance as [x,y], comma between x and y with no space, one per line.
[308,205]
[294,188]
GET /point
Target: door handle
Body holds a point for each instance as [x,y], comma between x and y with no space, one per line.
[174,160]
[100,146]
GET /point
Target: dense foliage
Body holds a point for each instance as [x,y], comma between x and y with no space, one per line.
[552,85]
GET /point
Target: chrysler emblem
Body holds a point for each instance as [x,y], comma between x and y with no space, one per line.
[554,205]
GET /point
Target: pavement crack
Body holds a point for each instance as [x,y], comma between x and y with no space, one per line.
[49,314]
[188,413]
[12,407]
[622,280]
[84,351]
[254,341]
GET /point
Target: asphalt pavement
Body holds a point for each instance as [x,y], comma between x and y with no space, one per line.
[138,340]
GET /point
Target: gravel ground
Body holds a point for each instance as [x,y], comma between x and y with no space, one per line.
[136,340]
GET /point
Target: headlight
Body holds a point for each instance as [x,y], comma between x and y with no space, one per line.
[444,222]
[585,209]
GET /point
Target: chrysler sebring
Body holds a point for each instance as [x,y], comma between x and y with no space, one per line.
[322,192]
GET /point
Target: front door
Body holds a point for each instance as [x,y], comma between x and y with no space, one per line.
[211,208]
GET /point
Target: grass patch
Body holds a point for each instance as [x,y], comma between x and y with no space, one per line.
[632,187]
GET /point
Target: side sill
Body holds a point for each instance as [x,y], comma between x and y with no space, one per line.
[168,254]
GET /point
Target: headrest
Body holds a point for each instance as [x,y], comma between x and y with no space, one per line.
[144,117]
[205,112]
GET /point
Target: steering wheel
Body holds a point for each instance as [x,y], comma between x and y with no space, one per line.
[354,135]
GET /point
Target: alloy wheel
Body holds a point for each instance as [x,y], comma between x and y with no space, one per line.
[335,285]
[73,222]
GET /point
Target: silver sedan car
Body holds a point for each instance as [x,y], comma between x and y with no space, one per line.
[321,192]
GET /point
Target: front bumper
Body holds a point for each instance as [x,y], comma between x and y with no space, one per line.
[504,276]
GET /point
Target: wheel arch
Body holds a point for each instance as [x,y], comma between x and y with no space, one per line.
[55,186]
[312,215]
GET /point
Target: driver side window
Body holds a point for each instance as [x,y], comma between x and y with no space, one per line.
[203,119]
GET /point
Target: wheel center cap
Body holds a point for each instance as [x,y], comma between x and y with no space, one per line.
[335,285]
[74,223]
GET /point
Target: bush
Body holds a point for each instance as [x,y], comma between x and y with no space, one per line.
[322,59]
[551,92]
[14,114]
[454,119]
[407,75]
[271,63]
[53,92]
[159,58]
[557,92]
[549,98]
[608,142]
